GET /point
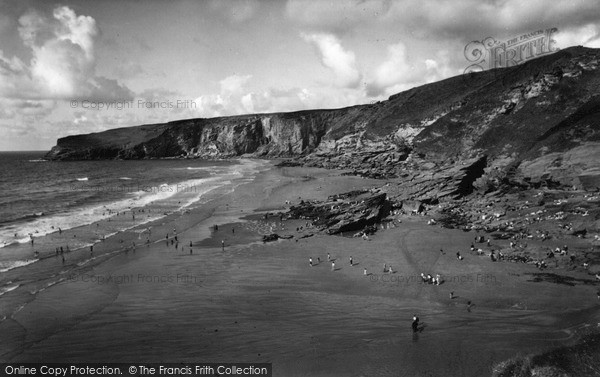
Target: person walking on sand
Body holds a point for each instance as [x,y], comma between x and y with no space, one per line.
[310,262]
[332,266]
[390,271]
[328,257]
[223,245]
[365,272]
[384,268]
[351,261]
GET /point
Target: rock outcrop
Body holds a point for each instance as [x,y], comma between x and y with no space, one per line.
[352,211]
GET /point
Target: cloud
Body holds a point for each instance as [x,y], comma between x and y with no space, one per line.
[464,20]
[128,70]
[236,11]
[337,16]
[17,108]
[588,36]
[468,19]
[234,98]
[398,72]
[229,99]
[334,57]
[63,61]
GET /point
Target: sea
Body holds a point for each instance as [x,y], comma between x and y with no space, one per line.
[41,201]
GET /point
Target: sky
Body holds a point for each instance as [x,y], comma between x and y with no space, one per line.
[84,66]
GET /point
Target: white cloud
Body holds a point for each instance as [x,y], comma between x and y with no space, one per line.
[229,99]
[338,16]
[441,19]
[588,36]
[234,98]
[236,11]
[334,57]
[398,72]
[62,64]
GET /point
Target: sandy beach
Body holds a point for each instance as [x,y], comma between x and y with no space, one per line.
[249,301]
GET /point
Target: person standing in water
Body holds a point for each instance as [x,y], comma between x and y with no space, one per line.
[415,323]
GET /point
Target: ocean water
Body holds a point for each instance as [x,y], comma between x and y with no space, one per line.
[39,198]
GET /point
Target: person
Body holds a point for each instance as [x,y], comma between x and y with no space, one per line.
[332,266]
[458,256]
[351,262]
[328,257]
[365,273]
[451,295]
[384,268]
[232,230]
[190,243]
[223,245]
[310,262]
[390,269]
[91,249]
[415,323]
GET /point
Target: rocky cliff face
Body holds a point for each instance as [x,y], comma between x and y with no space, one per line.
[531,124]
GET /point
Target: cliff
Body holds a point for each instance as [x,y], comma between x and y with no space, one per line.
[536,123]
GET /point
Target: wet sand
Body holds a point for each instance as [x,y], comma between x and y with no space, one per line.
[255,302]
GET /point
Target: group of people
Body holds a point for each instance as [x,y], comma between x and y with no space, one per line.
[428,279]
[311,263]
